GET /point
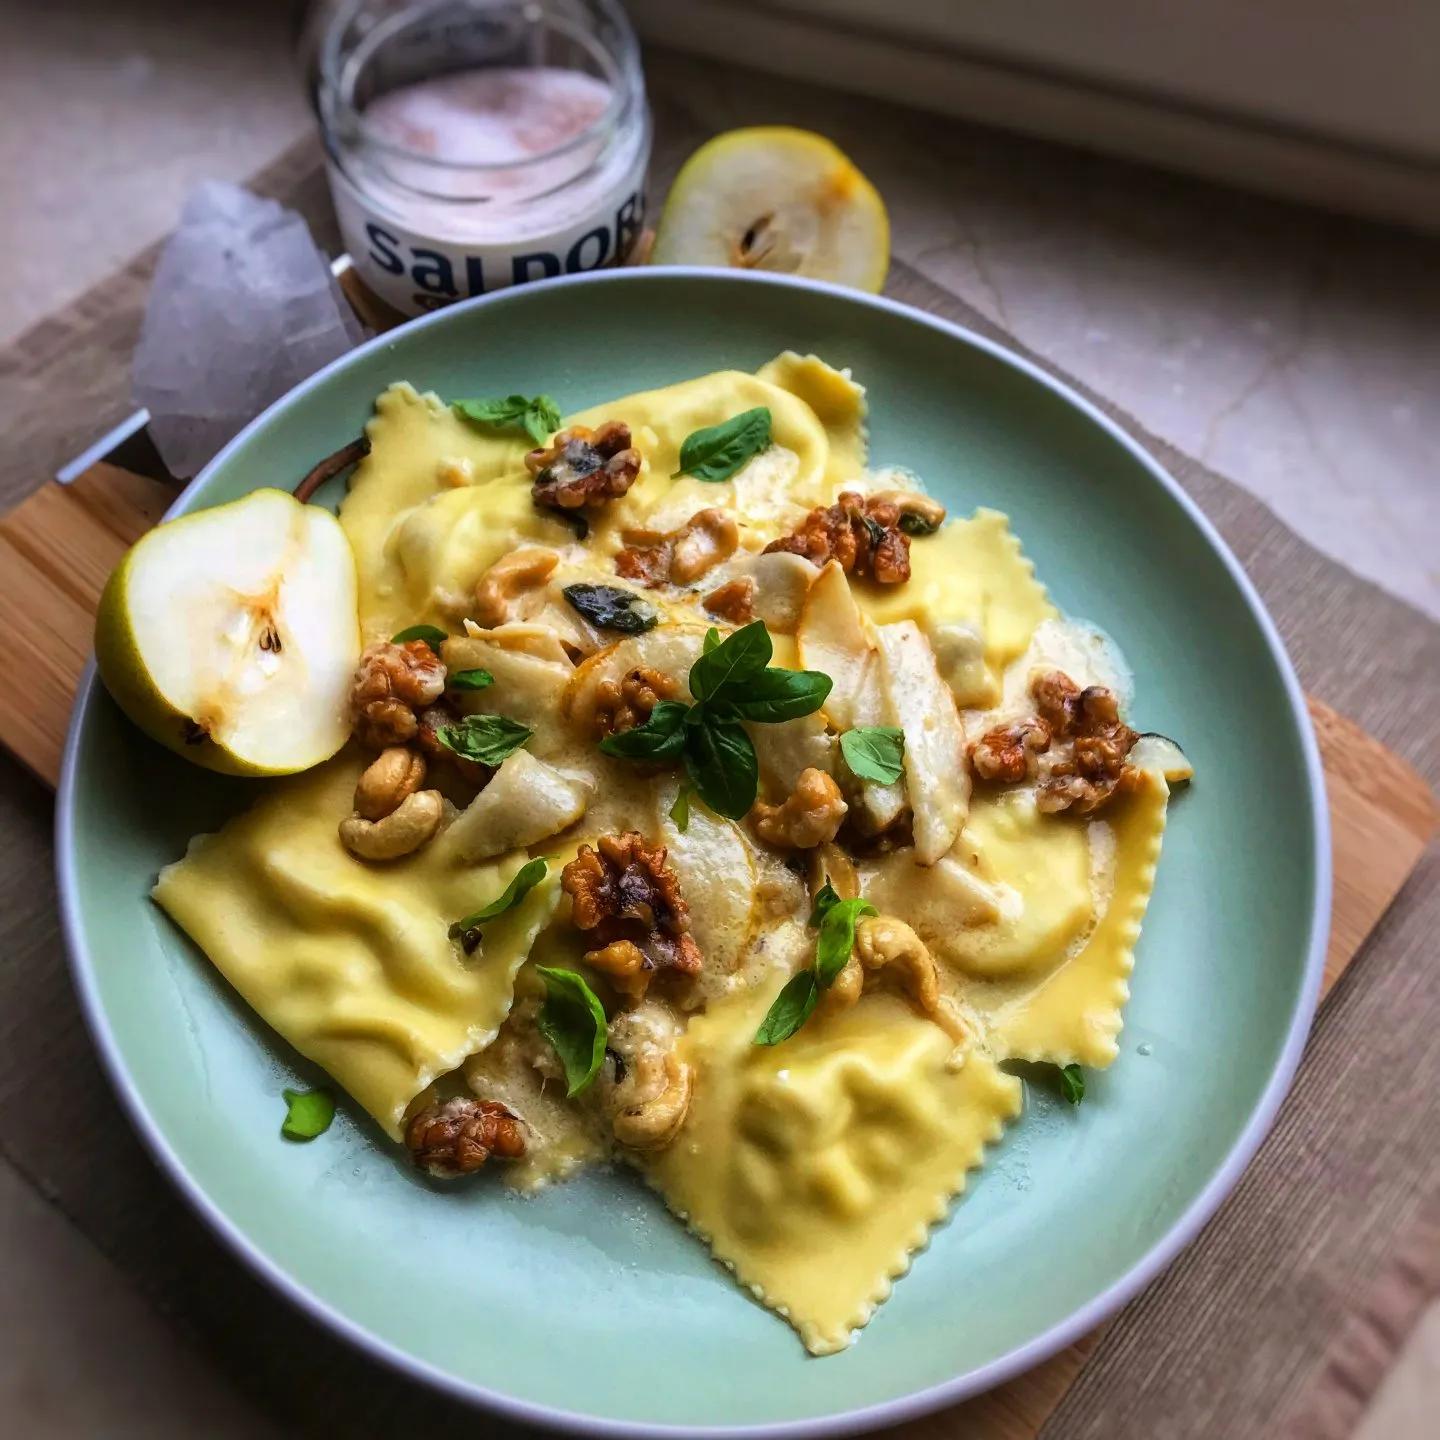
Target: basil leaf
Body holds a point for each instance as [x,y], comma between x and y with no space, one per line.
[826,898]
[790,1010]
[537,415]
[837,938]
[736,659]
[522,882]
[470,680]
[661,737]
[777,695]
[721,764]
[308,1113]
[680,810]
[432,635]
[1072,1083]
[875,752]
[712,640]
[573,1021]
[611,608]
[485,738]
[875,530]
[913,524]
[718,451]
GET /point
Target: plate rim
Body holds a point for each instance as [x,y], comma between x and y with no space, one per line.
[932,1398]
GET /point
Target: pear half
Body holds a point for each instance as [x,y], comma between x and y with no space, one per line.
[231,636]
[775,198]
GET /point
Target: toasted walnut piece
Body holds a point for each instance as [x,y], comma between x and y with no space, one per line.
[395,773]
[507,580]
[392,683]
[810,816]
[862,535]
[409,826]
[1057,700]
[623,963]
[457,1137]
[733,601]
[582,467]
[1088,765]
[625,703]
[622,890]
[1010,753]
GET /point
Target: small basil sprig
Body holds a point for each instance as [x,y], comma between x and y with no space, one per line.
[661,737]
[572,1019]
[875,752]
[308,1113]
[791,1008]
[469,680]
[611,608]
[432,635]
[487,739]
[1072,1083]
[719,451]
[537,415]
[731,681]
[522,882]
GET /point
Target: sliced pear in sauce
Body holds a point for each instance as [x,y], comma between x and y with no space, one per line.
[231,636]
[776,198]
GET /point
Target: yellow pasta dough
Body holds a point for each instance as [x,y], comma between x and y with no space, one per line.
[351,962]
[438,500]
[1074,1016]
[972,572]
[814,1169]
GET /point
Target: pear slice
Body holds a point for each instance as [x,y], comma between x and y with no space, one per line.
[775,198]
[231,636]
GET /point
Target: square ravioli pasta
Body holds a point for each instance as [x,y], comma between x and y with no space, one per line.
[815,1169]
[770,810]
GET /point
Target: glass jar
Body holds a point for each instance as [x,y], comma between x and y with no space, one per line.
[476,144]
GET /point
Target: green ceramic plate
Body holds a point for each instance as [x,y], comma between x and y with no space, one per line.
[1077,1209]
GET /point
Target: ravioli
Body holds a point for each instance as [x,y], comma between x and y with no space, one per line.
[438,500]
[1074,1015]
[815,1169]
[972,572]
[422,541]
[350,962]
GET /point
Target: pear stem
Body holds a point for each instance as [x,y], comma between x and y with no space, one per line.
[331,466]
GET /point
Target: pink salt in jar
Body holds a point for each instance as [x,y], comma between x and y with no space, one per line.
[476,144]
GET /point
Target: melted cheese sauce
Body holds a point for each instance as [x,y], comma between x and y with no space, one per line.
[813,1168]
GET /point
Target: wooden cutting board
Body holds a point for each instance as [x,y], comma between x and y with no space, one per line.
[57,548]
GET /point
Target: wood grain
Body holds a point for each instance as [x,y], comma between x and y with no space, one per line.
[58,546]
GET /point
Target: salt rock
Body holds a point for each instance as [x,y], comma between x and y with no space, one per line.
[243,307]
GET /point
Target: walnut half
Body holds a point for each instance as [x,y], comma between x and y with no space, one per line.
[582,467]
[392,684]
[1076,747]
[628,900]
[458,1136]
[863,535]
